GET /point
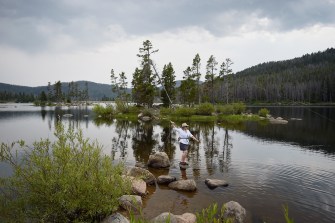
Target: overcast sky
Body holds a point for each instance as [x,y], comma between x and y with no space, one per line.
[45,41]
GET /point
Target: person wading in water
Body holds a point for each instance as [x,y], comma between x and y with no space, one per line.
[184,140]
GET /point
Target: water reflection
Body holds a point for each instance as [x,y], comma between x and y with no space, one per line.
[143,141]
[264,169]
[120,142]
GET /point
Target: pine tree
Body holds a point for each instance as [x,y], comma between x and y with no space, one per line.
[143,79]
[196,73]
[211,75]
[188,92]
[58,91]
[169,83]
[225,72]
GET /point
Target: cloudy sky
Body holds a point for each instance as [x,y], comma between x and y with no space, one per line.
[70,40]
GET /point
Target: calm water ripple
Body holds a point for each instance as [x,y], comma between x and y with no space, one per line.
[266,166]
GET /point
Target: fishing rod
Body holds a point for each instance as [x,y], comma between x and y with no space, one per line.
[160,80]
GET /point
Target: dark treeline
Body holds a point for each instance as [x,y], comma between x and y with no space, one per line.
[70,91]
[6,96]
[310,78]
[307,79]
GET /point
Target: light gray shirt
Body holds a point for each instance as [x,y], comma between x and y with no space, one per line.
[184,135]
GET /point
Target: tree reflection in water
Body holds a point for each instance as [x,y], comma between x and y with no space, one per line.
[121,141]
[211,144]
[143,141]
[225,155]
[168,138]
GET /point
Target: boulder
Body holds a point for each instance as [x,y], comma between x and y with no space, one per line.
[184,218]
[159,160]
[235,212]
[165,179]
[278,120]
[141,165]
[184,185]
[144,174]
[131,202]
[138,186]
[115,218]
[214,183]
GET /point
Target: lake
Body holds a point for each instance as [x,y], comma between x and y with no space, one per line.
[266,165]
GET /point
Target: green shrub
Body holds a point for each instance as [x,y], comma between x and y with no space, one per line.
[125,108]
[166,111]
[263,112]
[70,180]
[148,112]
[239,108]
[231,109]
[205,109]
[184,111]
[211,214]
[225,109]
[104,112]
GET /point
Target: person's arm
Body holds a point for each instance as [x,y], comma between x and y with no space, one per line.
[195,139]
[173,124]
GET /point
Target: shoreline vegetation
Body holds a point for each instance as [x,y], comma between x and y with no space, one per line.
[234,113]
[71,180]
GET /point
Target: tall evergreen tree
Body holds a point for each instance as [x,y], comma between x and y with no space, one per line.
[224,74]
[50,95]
[196,73]
[169,83]
[58,91]
[211,75]
[188,92]
[144,79]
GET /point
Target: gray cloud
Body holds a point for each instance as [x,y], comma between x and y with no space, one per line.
[35,25]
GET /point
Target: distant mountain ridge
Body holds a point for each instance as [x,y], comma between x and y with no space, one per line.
[309,78]
[96,91]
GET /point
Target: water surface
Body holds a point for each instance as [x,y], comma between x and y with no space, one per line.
[267,166]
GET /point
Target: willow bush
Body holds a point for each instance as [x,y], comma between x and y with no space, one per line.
[204,109]
[69,180]
[104,112]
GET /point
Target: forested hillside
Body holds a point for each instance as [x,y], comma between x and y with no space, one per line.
[310,78]
[307,79]
[17,93]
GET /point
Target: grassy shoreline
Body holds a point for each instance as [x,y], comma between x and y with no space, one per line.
[234,113]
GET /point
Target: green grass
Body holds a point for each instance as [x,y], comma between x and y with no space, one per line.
[69,180]
[236,119]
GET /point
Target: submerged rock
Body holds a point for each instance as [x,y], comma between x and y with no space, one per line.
[184,185]
[144,174]
[115,218]
[159,160]
[184,218]
[214,183]
[278,120]
[131,202]
[165,179]
[234,211]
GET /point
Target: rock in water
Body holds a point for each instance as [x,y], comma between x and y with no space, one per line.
[138,186]
[184,218]
[131,202]
[214,183]
[144,174]
[184,185]
[165,179]
[115,218]
[234,211]
[159,160]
